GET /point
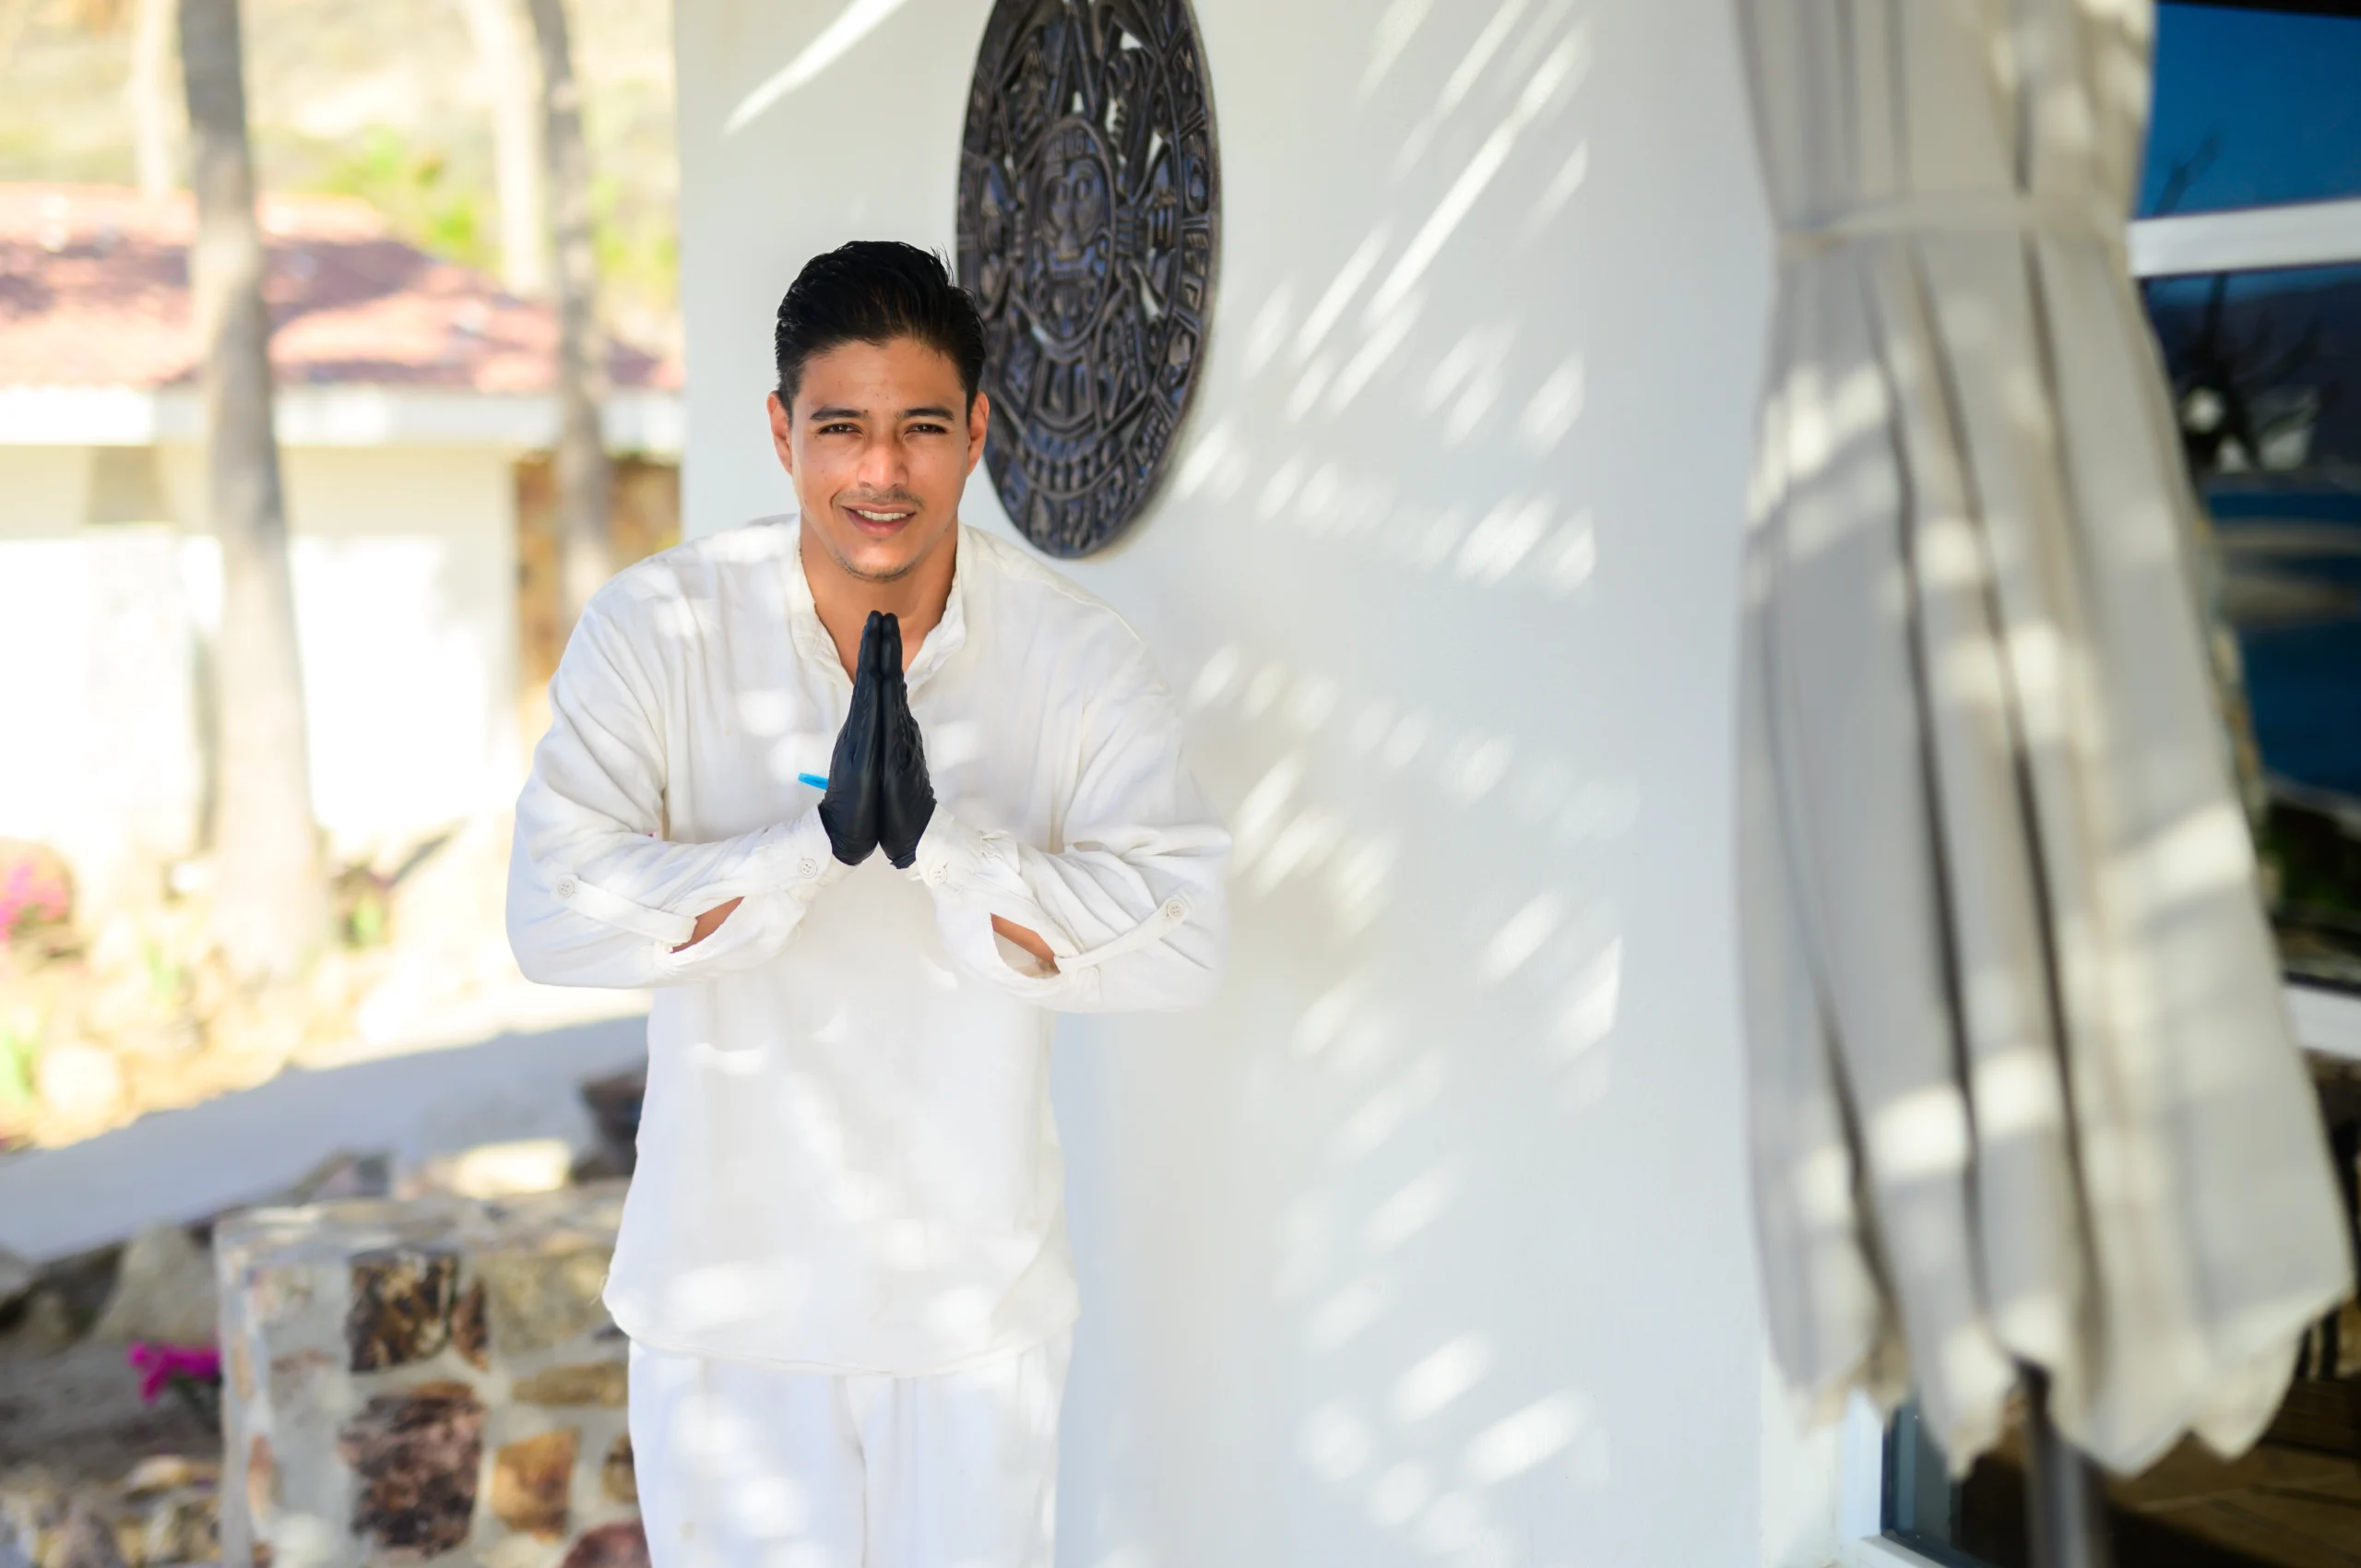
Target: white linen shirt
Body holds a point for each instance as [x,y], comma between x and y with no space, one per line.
[847,1159]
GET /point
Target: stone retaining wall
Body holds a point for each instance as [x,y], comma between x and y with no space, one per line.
[426,1380]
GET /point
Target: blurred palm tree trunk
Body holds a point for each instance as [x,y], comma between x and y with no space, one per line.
[151,129]
[271,909]
[516,153]
[15,17]
[583,478]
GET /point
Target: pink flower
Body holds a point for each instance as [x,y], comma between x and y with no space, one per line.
[158,1365]
[25,892]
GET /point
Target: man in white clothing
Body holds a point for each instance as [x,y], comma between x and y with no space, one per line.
[865,797]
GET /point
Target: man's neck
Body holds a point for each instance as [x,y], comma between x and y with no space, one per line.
[844,601]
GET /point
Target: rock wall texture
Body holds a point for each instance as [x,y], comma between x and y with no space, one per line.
[433,1379]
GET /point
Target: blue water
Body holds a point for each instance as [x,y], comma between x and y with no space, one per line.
[2304,682]
[2273,94]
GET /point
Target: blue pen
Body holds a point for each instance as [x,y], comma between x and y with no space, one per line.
[812,778]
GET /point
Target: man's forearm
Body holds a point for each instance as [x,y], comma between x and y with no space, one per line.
[709,922]
[1029,940]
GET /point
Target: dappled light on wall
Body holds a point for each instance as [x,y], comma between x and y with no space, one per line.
[1411,580]
[1358,788]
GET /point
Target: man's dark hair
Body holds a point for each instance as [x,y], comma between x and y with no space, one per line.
[874,291]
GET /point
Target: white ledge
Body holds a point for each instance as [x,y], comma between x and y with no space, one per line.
[1881,1551]
[2326,1021]
[2313,233]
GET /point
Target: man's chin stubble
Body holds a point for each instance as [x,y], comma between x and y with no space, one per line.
[845,562]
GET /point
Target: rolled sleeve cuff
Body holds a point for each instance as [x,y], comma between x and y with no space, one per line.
[801,860]
[972,876]
[779,890]
[955,859]
[792,858]
[593,902]
[965,868]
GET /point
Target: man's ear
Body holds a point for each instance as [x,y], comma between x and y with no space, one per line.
[980,423]
[782,428]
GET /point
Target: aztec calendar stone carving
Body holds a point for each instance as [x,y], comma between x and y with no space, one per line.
[1089,219]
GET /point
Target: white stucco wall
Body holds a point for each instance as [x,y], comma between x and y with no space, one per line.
[405,567]
[43,489]
[406,602]
[1428,1243]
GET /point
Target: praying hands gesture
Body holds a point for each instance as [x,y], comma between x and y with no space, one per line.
[878,792]
[879,795]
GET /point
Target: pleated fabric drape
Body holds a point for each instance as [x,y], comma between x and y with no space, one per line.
[2022,1087]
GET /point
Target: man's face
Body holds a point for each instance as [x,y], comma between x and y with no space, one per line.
[880,443]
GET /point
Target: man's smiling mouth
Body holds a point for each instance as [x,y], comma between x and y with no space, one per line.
[879,522]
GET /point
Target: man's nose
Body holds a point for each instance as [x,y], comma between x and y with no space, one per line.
[882,464]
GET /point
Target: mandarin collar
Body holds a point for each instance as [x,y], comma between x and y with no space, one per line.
[811,640]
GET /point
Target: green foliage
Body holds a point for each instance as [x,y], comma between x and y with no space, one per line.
[443,202]
[2317,865]
[2311,864]
[639,254]
[429,164]
[166,976]
[18,1043]
[423,202]
[366,926]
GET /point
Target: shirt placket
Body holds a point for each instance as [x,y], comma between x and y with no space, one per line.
[812,641]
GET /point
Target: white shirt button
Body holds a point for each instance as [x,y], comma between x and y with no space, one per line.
[1175,908]
[567,887]
[808,868]
[937,873]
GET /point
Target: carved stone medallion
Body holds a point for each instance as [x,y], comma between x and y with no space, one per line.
[1089,219]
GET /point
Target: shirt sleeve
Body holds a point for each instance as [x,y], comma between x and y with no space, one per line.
[1133,905]
[596,896]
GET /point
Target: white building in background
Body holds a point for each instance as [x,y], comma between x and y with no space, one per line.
[1429,1243]
[408,390]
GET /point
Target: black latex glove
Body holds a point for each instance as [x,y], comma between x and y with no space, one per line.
[848,811]
[904,795]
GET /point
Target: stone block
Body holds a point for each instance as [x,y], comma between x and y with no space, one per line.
[160,1514]
[416,1455]
[592,1382]
[614,1104]
[164,1290]
[546,1297]
[432,1379]
[17,1278]
[618,1478]
[470,1335]
[261,1480]
[620,1545]
[533,1482]
[87,1540]
[402,1307]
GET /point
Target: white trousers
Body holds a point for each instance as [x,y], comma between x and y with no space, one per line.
[745,1466]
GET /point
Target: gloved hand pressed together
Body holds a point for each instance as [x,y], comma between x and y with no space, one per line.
[848,811]
[878,790]
[905,793]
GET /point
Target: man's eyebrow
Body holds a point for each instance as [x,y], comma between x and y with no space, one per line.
[930,411]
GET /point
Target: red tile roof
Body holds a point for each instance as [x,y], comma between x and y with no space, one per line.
[94,293]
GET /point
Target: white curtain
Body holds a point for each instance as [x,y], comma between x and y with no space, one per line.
[2023,1086]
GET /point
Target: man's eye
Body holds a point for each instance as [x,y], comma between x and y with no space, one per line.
[839,429]
[926,430]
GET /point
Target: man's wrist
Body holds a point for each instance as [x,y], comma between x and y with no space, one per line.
[949,854]
[709,922]
[1027,939]
[803,859]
